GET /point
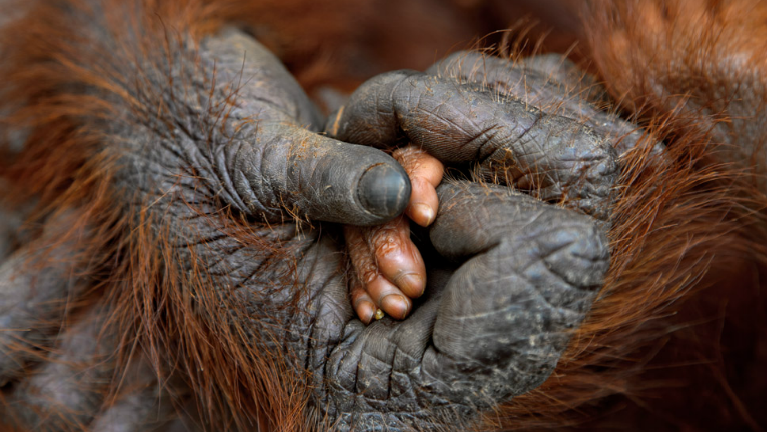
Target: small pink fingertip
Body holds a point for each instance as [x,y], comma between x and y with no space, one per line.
[424,214]
[366,311]
[411,284]
[396,305]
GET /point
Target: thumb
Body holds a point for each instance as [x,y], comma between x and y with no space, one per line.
[292,171]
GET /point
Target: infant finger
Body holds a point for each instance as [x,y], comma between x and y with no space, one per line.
[425,172]
[397,258]
[362,303]
[389,268]
[388,297]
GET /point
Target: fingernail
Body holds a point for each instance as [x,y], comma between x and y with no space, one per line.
[384,190]
[410,284]
[366,311]
[395,305]
[425,213]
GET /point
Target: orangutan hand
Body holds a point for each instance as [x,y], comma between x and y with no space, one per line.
[529,125]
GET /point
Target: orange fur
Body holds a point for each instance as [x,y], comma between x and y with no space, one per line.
[686,234]
[689,239]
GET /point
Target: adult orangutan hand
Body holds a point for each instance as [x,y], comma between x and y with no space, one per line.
[529,125]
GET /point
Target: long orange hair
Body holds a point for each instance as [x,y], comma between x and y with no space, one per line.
[688,236]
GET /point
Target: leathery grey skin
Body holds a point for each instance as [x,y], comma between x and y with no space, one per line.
[555,157]
[523,274]
[493,328]
[509,275]
[260,154]
[550,82]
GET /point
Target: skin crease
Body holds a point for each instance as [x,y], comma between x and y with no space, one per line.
[217,171]
[384,257]
[193,259]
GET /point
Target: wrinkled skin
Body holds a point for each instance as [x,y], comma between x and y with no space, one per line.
[510,271]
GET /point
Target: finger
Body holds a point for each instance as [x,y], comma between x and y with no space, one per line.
[531,273]
[362,303]
[36,284]
[550,82]
[397,258]
[272,167]
[387,250]
[499,325]
[365,269]
[425,173]
[66,392]
[555,157]
[388,297]
[389,266]
[262,83]
[306,175]
[572,80]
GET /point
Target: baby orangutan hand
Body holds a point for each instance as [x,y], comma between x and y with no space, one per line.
[389,269]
